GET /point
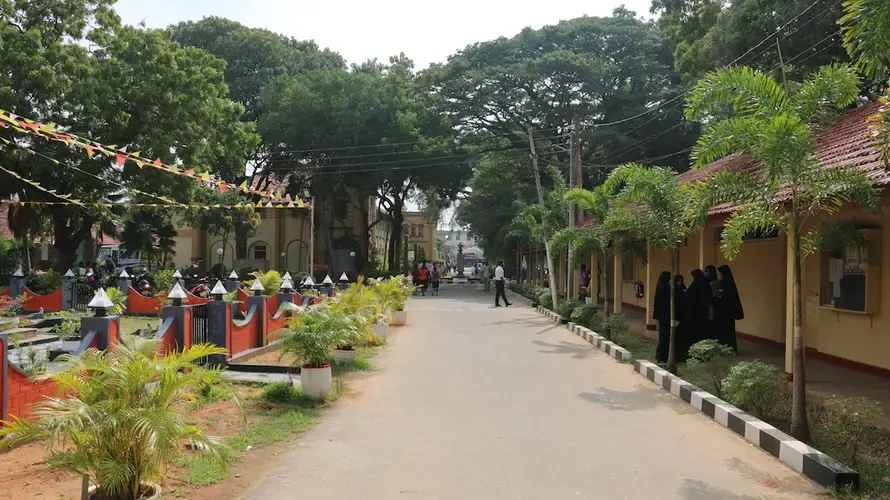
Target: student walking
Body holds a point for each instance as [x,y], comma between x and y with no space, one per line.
[486,277]
[424,277]
[435,277]
[499,283]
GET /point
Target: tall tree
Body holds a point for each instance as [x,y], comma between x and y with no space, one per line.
[369,131]
[150,231]
[70,62]
[709,34]
[775,125]
[601,69]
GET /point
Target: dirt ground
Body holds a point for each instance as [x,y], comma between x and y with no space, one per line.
[274,358]
[23,475]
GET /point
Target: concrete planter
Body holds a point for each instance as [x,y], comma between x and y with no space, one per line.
[316,381]
[156,495]
[381,330]
[400,318]
[343,355]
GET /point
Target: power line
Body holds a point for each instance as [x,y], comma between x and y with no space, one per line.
[769,37]
[343,148]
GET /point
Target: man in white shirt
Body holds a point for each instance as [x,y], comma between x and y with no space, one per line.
[499,285]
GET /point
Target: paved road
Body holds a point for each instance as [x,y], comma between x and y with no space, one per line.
[474,402]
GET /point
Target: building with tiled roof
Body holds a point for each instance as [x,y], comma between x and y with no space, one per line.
[846,296]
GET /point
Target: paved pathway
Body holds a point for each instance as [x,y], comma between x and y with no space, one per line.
[474,402]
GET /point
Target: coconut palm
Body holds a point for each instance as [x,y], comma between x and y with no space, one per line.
[649,205]
[749,112]
[123,419]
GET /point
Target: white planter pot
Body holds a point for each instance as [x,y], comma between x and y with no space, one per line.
[155,496]
[381,330]
[400,318]
[343,356]
[316,382]
[588,300]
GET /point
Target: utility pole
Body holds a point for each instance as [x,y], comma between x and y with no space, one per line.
[546,238]
[574,174]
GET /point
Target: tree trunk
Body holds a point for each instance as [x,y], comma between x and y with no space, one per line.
[68,239]
[26,254]
[395,240]
[672,343]
[800,428]
[553,294]
[605,278]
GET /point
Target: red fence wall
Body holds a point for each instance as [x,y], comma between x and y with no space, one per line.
[50,302]
[245,337]
[140,304]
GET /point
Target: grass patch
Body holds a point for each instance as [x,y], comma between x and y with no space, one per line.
[286,420]
[361,362]
[130,324]
[640,347]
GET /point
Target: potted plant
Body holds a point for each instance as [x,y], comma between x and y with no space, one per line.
[309,337]
[123,420]
[393,294]
[357,304]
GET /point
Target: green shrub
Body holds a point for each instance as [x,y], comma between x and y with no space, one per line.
[163,280]
[565,308]
[281,392]
[845,423]
[709,363]
[583,314]
[70,325]
[755,387]
[614,327]
[49,281]
[545,300]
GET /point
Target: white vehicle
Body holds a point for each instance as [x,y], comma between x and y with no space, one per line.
[122,260]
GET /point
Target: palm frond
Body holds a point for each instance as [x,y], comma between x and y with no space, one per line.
[726,137]
[829,89]
[838,236]
[866,37]
[758,217]
[828,189]
[724,187]
[747,91]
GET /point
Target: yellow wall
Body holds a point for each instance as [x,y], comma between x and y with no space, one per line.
[759,274]
[628,290]
[858,337]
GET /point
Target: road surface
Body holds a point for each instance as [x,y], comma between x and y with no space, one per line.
[473,402]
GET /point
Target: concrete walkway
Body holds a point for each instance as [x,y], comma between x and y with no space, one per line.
[473,402]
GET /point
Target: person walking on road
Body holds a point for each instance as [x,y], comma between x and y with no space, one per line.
[499,285]
[486,277]
[434,279]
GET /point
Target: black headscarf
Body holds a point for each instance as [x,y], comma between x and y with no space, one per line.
[731,293]
[662,300]
[711,272]
[679,298]
[699,300]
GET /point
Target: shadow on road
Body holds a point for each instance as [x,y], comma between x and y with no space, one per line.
[693,489]
[641,398]
[563,347]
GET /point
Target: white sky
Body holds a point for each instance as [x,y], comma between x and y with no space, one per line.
[360,29]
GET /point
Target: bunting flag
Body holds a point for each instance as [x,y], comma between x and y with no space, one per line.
[57,162]
[106,204]
[69,200]
[121,156]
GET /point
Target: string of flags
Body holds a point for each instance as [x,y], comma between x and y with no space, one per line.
[107,204]
[57,162]
[52,132]
[69,200]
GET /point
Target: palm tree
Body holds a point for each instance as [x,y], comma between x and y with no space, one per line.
[542,221]
[150,232]
[649,205]
[867,40]
[123,419]
[775,125]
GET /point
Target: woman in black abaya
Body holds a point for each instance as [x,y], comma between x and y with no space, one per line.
[680,316]
[728,309]
[699,299]
[662,314]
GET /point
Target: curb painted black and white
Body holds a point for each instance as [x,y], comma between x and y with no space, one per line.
[603,344]
[518,298]
[556,318]
[810,462]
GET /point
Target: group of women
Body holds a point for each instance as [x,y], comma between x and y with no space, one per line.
[707,309]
